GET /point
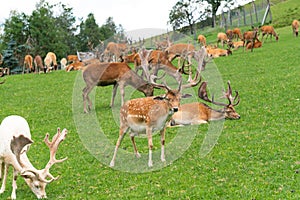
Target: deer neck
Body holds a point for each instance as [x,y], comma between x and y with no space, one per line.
[216,114]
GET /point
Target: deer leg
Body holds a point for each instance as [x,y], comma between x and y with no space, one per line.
[162,140]
[137,154]
[85,95]
[14,185]
[4,171]
[114,92]
[123,130]
[190,69]
[150,145]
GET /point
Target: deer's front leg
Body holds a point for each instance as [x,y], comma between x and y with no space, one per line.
[14,185]
[162,139]
[150,145]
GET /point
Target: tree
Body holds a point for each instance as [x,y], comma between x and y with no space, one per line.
[15,28]
[183,14]
[214,6]
[89,33]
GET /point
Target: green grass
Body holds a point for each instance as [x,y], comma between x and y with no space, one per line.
[254,158]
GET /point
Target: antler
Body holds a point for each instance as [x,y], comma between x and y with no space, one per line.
[202,93]
[193,83]
[228,95]
[53,146]
[144,55]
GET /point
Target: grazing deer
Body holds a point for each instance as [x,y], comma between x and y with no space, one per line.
[116,74]
[149,114]
[15,139]
[199,113]
[268,30]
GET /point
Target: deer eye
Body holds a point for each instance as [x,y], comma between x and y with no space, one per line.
[37,187]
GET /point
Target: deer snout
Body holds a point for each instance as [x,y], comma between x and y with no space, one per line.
[175,109]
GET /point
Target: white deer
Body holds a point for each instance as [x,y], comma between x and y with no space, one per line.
[15,139]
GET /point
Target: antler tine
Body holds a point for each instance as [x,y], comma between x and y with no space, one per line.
[193,83]
[236,96]
[156,85]
[53,146]
[202,93]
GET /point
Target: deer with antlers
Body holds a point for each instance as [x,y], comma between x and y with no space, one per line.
[199,113]
[149,114]
[15,139]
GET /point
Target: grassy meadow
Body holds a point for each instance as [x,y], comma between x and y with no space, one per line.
[256,157]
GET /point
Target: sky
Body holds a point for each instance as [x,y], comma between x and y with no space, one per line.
[133,15]
[144,18]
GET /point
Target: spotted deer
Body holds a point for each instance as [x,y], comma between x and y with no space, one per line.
[149,114]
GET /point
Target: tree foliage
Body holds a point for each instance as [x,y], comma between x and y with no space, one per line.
[51,28]
[188,12]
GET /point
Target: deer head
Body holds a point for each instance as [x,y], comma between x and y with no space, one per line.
[37,180]
[228,109]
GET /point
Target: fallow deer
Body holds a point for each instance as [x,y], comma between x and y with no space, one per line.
[149,114]
[199,113]
[295,27]
[250,36]
[15,139]
[116,74]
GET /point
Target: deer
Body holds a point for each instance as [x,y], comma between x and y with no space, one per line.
[250,36]
[202,40]
[15,140]
[182,50]
[156,60]
[196,113]
[237,33]
[27,66]
[269,30]
[295,27]
[148,114]
[116,74]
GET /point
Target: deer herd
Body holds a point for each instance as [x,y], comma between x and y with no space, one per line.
[144,115]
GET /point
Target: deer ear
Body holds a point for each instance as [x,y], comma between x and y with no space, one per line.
[185,96]
[27,174]
[159,98]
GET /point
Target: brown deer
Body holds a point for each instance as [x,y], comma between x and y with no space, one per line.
[199,113]
[250,36]
[295,27]
[268,30]
[149,114]
[116,74]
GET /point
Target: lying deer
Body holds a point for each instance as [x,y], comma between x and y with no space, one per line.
[117,74]
[15,139]
[149,114]
[199,113]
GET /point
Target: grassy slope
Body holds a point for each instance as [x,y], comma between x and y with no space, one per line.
[255,158]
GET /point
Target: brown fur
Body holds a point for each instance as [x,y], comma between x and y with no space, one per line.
[295,27]
[268,30]
[50,60]
[202,40]
[28,60]
[237,33]
[38,64]
[104,74]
